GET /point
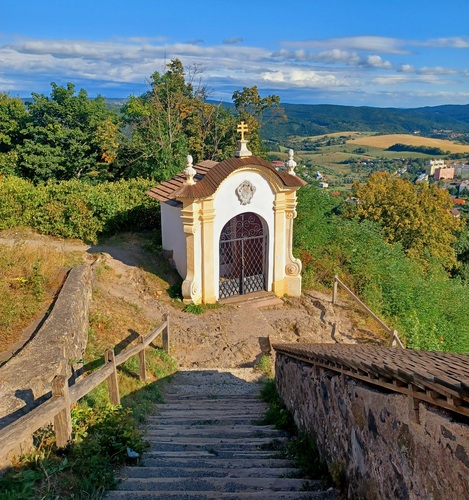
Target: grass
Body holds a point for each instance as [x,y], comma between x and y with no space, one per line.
[200,308]
[265,365]
[29,279]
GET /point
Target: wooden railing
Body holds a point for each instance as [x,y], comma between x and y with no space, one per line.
[57,408]
[395,340]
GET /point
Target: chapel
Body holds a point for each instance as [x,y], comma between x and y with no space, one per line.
[228,226]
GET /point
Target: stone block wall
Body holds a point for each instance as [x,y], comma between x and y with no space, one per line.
[57,348]
[372,437]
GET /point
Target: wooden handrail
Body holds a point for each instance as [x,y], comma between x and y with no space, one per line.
[396,341]
[57,408]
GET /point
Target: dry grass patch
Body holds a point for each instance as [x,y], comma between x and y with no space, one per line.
[386,141]
[113,320]
[29,279]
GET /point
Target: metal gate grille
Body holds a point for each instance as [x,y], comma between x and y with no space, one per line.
[242,256]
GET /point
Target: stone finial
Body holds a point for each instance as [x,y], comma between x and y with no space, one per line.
[189,171]
[291,163]
[242,151]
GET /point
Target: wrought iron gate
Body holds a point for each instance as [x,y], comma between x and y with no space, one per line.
[242,256]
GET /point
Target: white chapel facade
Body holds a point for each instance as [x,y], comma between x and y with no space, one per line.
[229,226]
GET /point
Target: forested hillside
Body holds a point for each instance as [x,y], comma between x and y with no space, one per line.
[308,120]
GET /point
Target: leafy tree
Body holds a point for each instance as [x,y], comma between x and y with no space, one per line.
[173,119]
[13,116]
[157,143]
[67,136]
[251,108]
[416,216]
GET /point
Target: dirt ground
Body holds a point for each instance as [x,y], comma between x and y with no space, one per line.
[135,288]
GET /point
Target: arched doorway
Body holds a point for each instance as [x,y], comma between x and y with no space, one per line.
[242,256]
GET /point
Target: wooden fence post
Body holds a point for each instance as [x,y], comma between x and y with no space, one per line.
[396,341]
[112,382]
[334,293]
[142,361]
[166,334]
[63,419]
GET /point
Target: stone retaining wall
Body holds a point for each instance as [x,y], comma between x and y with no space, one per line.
[57,348]
[370,436]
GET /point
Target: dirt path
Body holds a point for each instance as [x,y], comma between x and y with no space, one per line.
[138,279]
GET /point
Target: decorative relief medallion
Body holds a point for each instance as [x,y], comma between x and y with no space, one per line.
[245,191]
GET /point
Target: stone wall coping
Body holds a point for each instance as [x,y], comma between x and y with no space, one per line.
[438,378]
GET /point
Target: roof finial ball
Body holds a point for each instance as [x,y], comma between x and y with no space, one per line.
[189,171]
[291,163]
[242,148]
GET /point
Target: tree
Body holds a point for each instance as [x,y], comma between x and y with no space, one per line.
[251,109]
[157,145]
[13,116]
[416,216]
[67,136]
[171,120]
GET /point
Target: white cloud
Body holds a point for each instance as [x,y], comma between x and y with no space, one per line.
[455,42]
[437,70]
[406,68]
[377,62]
[386,45]
[429,79]
[303,78]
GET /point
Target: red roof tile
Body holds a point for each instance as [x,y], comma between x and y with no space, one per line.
[211,174]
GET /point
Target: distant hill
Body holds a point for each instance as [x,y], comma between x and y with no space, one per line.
[317,119]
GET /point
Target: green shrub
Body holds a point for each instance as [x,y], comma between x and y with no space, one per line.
[75,209]
[426,307]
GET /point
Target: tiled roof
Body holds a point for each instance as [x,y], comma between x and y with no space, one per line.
[211,174]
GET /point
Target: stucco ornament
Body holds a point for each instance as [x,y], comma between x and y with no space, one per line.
[245,191]
[293,268]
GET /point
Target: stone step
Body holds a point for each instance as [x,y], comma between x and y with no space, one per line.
[211,403]
[212,472]
[216,495]
[176,397]
[206,454]
[216,445]
[215,412]
[153,432]
[209,440]
[219,484]
[205,444]
[203,462]
[203,420]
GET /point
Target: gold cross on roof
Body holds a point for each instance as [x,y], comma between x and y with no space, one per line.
[242,128]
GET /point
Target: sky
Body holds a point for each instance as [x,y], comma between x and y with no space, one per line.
[400,53]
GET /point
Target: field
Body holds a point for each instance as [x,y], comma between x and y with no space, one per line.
[345,157]
[385,141]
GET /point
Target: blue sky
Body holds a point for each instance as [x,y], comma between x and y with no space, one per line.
[363,52]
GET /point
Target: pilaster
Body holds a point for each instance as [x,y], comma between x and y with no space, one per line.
[191,289]
[278,279]
[292,264]
[209,246]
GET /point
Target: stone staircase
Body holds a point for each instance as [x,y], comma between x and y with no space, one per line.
[205,444]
